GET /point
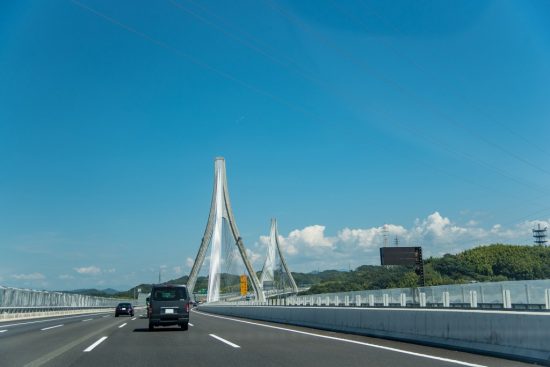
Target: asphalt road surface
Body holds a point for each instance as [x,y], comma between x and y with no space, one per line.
[212,340]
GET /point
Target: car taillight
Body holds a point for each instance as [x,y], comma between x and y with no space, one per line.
[187,307]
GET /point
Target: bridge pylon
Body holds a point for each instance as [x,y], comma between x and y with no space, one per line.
[220,210]
[274,248]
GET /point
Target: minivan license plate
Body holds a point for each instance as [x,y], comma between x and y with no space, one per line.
[169,310]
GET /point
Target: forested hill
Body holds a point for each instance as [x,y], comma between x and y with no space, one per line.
[495,262]
[491,263]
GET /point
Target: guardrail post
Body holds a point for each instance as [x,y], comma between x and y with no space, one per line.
[422,299]
[327,301]
[371,300]
[446,299]
[346,301]
[358,300]
[403,300]
[547,298]
[506,299]
[336,301]
[386,300]
[473,299]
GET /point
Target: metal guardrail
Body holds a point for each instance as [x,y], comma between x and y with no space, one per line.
[17,313]
[28,298]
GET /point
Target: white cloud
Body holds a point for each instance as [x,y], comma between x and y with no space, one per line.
[253,256]
[89,270]
[189,262]
[111,270]
[370,237]
[312,236]
[65,276]
[177,270]
[31,276]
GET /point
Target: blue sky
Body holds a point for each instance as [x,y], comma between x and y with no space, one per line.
[429,117]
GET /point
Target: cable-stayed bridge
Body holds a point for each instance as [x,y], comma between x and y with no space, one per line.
[277,326]
[227,248]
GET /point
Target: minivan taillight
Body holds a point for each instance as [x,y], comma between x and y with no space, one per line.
[187,307]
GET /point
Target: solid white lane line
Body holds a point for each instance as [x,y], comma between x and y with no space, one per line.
[224,341]
[428,356]
[91,347]
[51,327]
[3,331]
[106,316]
[134,318]
[123,325]
[59,318]
[190,324]
[87,320]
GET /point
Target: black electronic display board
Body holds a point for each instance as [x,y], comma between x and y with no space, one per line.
[404,256]
[400,255]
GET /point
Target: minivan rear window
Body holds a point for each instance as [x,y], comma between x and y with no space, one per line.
[169,294]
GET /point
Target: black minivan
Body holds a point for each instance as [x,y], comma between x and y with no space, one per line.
[169,305]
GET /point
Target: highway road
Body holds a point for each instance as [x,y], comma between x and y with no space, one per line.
[103,340]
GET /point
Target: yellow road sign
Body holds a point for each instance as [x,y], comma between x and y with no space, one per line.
[244,285]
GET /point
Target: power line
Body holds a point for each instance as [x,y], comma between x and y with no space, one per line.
[230,77]
[190,58]
[397,86]
[322,84]
[411,61]
[242,40]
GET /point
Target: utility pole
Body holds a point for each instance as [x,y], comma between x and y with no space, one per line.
[539,234]
[385,235]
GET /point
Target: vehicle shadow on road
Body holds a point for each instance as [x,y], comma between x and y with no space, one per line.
[146,330]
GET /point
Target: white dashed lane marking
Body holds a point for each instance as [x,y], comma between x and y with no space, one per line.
[224,341]
[91,347]
[123,325]
[51,327]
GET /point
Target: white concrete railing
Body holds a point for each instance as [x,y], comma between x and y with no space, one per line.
[520,295]
[386,301]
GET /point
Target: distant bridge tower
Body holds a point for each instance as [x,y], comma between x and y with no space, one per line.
[539,234]
[220,209]
[273,248]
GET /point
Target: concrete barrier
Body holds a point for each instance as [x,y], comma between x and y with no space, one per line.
[517,335]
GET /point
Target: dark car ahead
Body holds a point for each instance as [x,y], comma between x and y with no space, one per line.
[124,309]
[169,305]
